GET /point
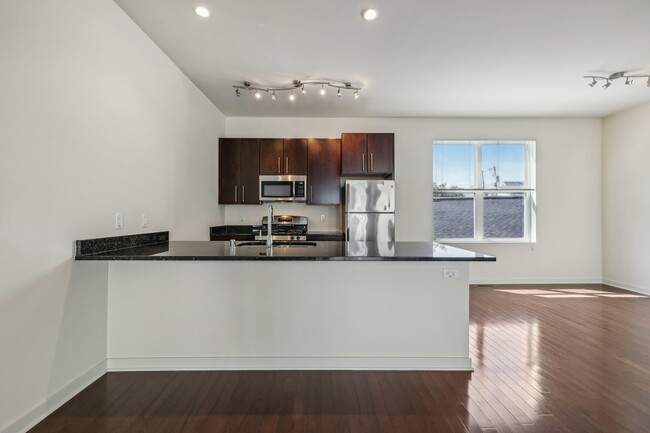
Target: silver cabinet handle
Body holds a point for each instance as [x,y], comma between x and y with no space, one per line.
[311,193]
[286,165]
[279,165]
[235,193]
[243,193]
[363,162]
[372,162]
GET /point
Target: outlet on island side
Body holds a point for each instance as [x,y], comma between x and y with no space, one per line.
[450,273]
[119,220]
[322,217]
[145,221]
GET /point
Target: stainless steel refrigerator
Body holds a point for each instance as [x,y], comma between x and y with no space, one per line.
[370,210]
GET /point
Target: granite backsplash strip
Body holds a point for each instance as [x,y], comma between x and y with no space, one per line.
[115,243]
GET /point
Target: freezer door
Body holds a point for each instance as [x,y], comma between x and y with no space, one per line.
[370,227]
[370,196]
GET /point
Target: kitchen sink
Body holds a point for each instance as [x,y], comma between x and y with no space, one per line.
[282,244]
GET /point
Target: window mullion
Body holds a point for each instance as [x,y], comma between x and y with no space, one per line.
[478,196]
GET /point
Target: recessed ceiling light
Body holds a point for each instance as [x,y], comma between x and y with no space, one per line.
[369,14]
[202,11]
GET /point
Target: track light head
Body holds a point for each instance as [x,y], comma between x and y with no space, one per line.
[237,92]
[593,83]
[273,96]
[303,91]
[338,93]
[258,95]
[607,84]
[356,94]
[292,96]
[322,90]
[648,84]
[629,81]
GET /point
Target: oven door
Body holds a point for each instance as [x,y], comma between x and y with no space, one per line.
[282,188]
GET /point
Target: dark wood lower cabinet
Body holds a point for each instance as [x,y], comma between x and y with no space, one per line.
[324,168]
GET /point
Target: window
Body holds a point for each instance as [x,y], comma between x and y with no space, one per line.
[484,191]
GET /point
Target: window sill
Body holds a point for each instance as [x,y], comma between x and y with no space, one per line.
[485,241]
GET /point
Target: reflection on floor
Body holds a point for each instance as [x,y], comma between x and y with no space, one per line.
[571,293]
[541,366]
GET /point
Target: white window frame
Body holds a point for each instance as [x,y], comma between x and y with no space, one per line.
[479,191]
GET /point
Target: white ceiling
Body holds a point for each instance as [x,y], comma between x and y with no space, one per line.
[427,58]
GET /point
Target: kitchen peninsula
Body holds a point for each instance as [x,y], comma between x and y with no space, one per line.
[328,305]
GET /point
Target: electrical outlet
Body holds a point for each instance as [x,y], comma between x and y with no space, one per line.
[322,217]
[119,220]
[145,221]
[242,218]
[450,273]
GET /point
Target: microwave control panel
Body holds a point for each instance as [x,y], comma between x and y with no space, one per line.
[300,189]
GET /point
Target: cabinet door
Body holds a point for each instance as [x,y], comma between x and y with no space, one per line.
[249,171]
[324,168]
[353,154]
[271,156]
[295,156]
[229,154]
[380,153]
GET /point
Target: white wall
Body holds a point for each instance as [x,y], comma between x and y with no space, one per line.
[626,204]
[568,247]
[94,120]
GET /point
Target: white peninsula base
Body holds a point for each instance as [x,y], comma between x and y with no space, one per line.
[238,315]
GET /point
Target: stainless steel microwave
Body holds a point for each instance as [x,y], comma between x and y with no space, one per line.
[283,188]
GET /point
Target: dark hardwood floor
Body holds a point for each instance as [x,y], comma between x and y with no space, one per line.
[543,363]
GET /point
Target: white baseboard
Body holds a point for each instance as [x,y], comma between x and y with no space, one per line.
[290,363]
[536,281]
[627,286]
[55,400]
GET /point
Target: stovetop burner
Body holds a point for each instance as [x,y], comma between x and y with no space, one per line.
[286,227]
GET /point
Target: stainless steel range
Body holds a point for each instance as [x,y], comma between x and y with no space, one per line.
[285,228]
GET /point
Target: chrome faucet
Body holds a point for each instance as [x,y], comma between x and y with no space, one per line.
[269,236]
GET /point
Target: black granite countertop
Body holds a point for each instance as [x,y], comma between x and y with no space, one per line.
[318,251]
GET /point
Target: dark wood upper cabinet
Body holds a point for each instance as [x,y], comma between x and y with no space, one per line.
[271,156]
[238,171]
[353,154]
[229,152]
[280,157]
[381,148]
[249,171]
[367,154]
[295,156]
[324,168]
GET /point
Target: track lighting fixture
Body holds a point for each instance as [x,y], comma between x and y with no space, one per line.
[629,79]
[298,85]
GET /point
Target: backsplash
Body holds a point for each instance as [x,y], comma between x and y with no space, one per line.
[252,214]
